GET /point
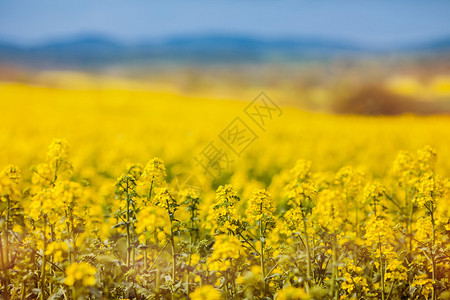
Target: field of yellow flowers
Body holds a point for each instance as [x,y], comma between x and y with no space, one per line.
[105,194]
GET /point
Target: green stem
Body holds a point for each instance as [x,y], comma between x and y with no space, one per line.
[128,230]
[247,241]
[308,257]
[381,268]
[189,263]
[157,282]
[356,218]
[23,291]
[261,256]
[410,221]
[8,208]
[149,195]
[43,261]
[390,290]
[174,262]
[51,259]
[227,291]
[145,259]
[334,290]
[5,271]
[433,259]
[355,245]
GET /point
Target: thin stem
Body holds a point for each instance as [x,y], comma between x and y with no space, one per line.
[8,208]
[248,243]
[158,275]
[43,261]
[5,270]
[69,251]
[145,258]
[51,259]
[390,290]
[356,218]
[410,221]
[433,260]
[191,241]
[271,270]
[308,254]
[356,226]
[381,268]
[174,263]
[23,291]
[128,229]
[334,290]
[159,254]
[261,256]
[149,195]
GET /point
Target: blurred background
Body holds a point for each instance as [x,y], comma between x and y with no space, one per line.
[359,57]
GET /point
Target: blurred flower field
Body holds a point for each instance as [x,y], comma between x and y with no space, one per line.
[317,207]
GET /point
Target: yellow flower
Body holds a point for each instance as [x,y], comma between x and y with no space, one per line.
[378,234]
[165,199]
[426,158]
[57,249]
[195,258]
[57,156]
[69,195]
[301,194]
[260,208]
[302,170]
[80,273]
[9,179]
[429,189]
[405,168]
[350,179]
[293,220]
[58,150]
[12,172]
[155,172]
[425,283]
[291,293]
[424,229]
[150,218]
[224,215]
[206,292]
[374,192]
[227,249]
[329,210]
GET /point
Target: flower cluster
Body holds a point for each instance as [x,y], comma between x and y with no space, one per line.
[80,273]
[227,250]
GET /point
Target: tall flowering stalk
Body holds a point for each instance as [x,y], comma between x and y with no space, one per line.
[430,189]
[301,195]
[126,191]
[9,198]
[260,213]
[377,232]
[45,205]
[408,169]
[80,276]
[165,200]
[192,200]
[405,171]
[329,212]
[224,214]
[225,259]
[154,175]
[351,181]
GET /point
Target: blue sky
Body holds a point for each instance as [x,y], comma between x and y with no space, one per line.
[377,22]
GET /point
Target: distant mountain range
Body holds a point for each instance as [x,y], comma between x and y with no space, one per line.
[97,51]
